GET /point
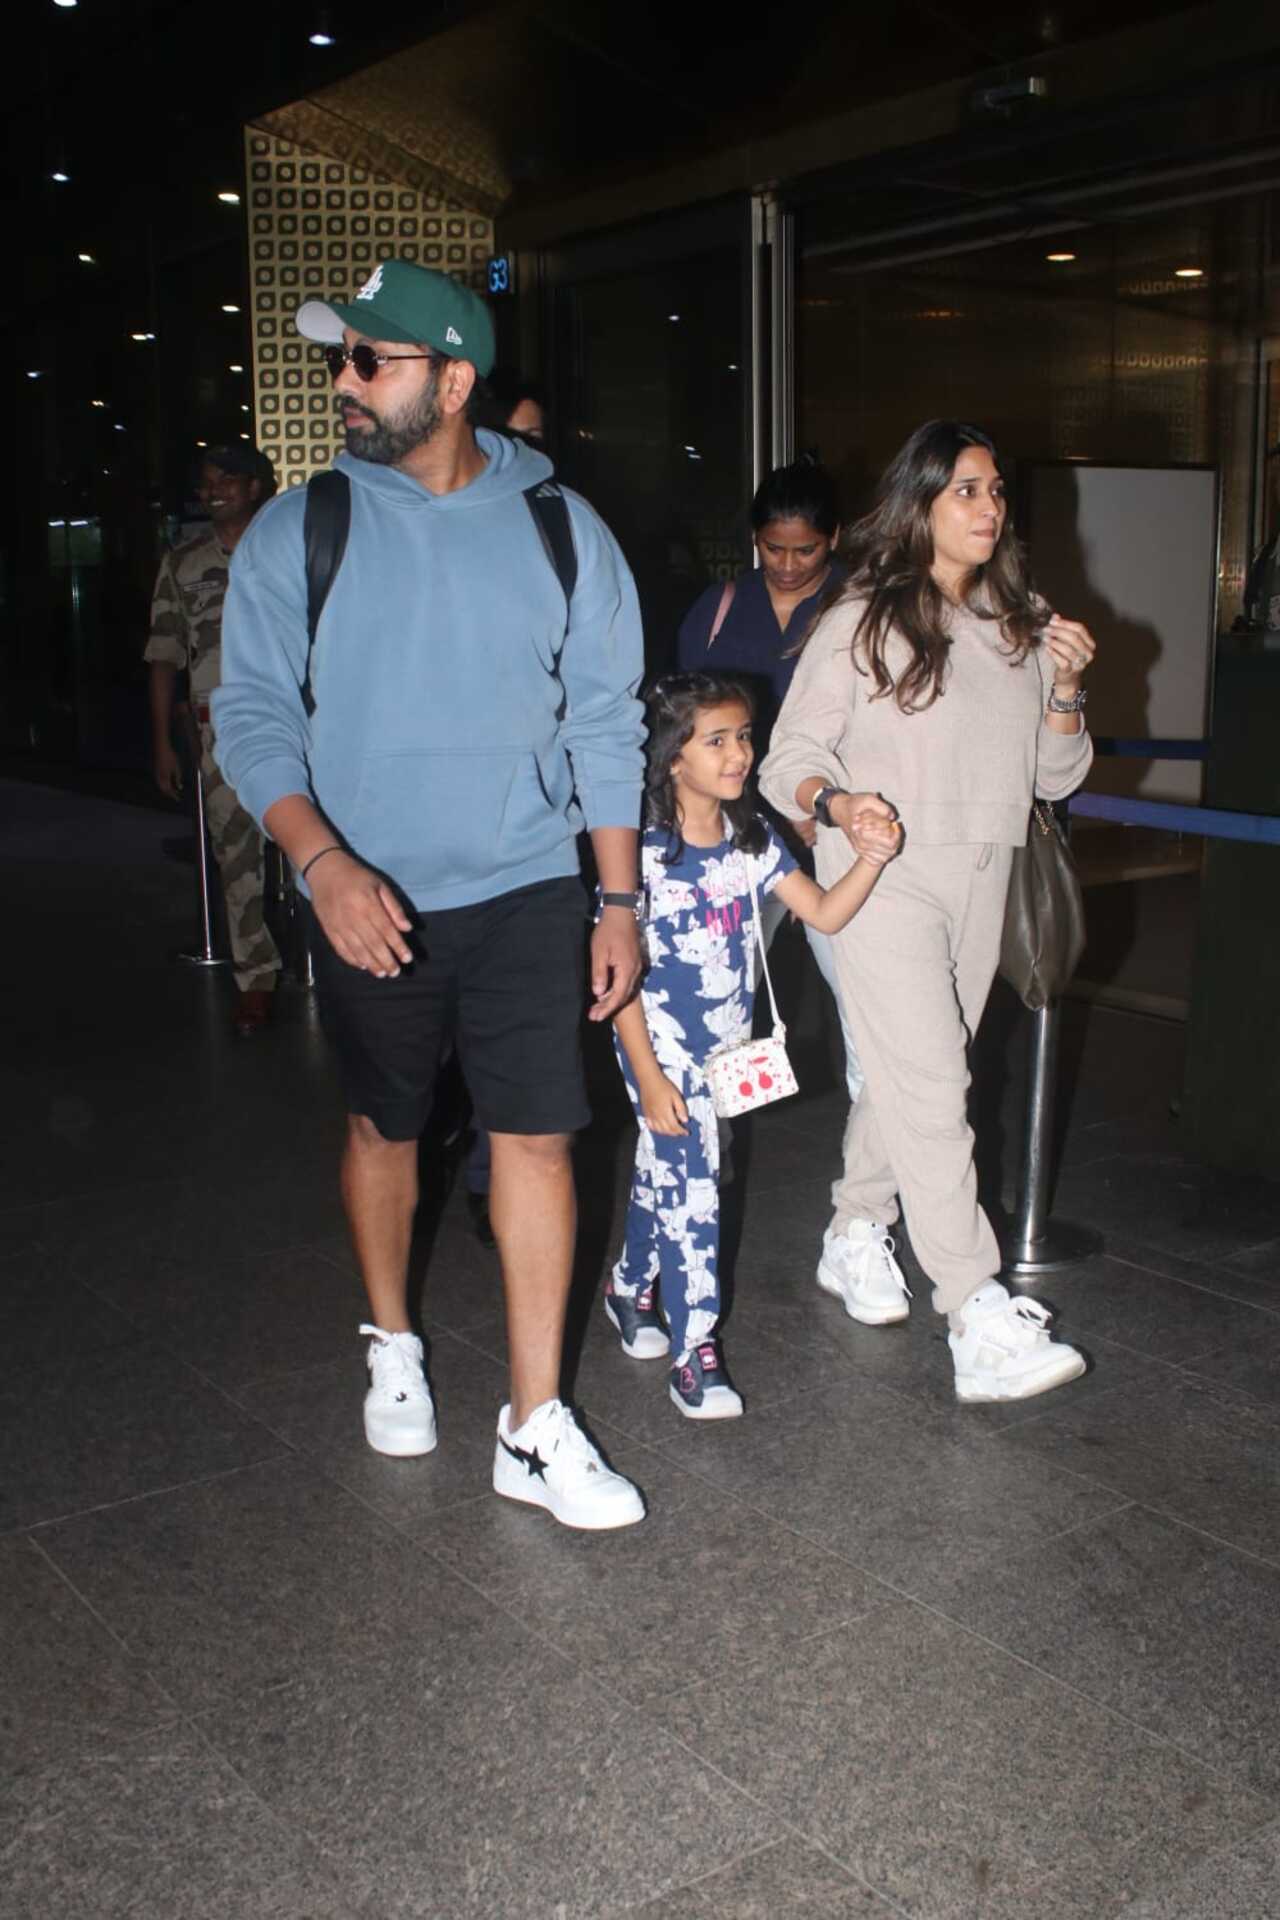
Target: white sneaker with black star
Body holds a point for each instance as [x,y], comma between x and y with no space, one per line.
[1002,1350]
[859,1268]
[549,1462]
[399,1414]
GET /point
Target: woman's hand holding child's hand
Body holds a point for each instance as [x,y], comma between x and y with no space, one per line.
[663,1105]
[875,839]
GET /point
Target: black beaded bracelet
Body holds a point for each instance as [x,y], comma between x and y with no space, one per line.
[333,847]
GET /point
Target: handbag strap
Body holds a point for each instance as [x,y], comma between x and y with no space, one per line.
[764,957]
[722,612]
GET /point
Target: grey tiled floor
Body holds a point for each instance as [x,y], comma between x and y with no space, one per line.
[870,1654]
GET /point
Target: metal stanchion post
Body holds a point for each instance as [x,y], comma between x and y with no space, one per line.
[205,955]
[1036,1244]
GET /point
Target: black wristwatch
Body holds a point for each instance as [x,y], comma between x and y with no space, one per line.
[629,900]
[822,804]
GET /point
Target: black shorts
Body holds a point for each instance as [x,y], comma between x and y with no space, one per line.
[506,978]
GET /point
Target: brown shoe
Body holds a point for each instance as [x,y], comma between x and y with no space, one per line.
[253,1011]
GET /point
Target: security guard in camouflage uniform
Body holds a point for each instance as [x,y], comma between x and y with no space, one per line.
[186,635]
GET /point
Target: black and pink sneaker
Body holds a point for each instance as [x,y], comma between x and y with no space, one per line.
[702,1389]
[634,1315]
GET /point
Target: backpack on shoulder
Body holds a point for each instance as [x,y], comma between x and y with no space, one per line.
[327,522]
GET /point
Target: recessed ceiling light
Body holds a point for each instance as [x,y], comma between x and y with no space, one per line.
[34,373]
[235,367]
[97,403]
[229,306]
[673,316]
[244,436]
[1188,273]
[228,198]
[244,407]
[87,258]
[119,426]
[66,3]
[142,336]
[202,443]
[61,177]
[1059,258]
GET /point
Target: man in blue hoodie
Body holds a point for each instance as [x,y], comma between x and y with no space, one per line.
[427,764]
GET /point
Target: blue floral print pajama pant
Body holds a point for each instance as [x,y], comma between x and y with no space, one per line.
[673,1218]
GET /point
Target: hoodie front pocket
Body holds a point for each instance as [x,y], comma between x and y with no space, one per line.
[431,821]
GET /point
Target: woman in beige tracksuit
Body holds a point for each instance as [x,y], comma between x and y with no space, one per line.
[938,688]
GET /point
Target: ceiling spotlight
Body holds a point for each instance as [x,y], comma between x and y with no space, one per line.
[97,403]
[673,316]
[733,366]
[34,373]
[66,3]
[202,443]
[87,259]
[119,426]
[321,35]
[244,436]
[61,177]
[1188,273]
[244,407]
[1059,258]
[142,336]
[228,198]
[235,367]
[229,306]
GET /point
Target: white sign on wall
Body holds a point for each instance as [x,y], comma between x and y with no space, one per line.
[1133,552]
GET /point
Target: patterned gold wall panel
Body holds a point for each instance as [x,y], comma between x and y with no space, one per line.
[317,227]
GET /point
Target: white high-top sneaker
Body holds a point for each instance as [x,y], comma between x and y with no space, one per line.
[859,1268]
[1002,1349]
[399,1414]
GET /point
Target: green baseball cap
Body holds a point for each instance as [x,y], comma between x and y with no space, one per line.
[400,301]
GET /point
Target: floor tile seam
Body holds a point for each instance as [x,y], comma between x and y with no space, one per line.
[1196,1286]
[757,1853]
[1225,1776]
[178,1713]
[148,1493]
[305,1841]
[1270,1561]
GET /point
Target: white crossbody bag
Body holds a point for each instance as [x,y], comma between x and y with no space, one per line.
[752,1073]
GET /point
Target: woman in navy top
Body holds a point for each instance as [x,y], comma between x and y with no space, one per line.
[794,522]
[754,628]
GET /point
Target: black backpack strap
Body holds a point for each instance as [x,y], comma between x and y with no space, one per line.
[325,526]
[550,512]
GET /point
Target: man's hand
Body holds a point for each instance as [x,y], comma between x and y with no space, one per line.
[615,962]
[662,1104]
[362,919]
[168,773]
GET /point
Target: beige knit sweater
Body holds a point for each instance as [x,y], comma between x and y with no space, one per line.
[961,770]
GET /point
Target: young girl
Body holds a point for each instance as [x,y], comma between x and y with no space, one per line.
[703,843]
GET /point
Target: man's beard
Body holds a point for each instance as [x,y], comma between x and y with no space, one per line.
[387,445]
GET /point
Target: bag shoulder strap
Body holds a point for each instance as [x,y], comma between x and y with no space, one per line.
[327,522]
[722,612]
[550,512]
[325,526]
[778,1027]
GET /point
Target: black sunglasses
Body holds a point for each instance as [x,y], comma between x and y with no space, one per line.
[366,362]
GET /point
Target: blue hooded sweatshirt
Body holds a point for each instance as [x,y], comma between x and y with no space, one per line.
[445,748]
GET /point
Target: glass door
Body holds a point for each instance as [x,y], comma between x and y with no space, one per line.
[651,375]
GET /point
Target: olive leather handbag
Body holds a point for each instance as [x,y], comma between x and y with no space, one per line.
[1044,927]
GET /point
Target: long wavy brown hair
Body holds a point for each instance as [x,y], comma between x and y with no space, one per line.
[890,557]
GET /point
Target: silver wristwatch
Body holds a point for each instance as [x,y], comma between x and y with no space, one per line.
[1073,705]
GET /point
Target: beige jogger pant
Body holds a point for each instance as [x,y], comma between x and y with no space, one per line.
[915,967]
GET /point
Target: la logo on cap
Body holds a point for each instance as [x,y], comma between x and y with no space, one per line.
[372,286]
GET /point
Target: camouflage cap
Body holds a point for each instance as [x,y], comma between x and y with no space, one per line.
[400,301]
